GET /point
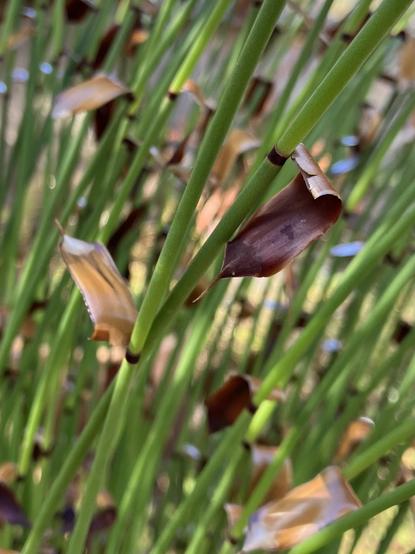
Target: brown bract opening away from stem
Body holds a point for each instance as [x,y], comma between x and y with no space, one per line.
[106,294]
[301,213]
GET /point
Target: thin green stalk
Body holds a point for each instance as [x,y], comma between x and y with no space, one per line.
[140,484]
[216,132]
[300,63]
[230,443]
[400,434]
[373,163]
[216,502]
[24,290]
[248,200]
[163,271]
[393,528]
[347,65]
[13,8]
[373,251]
[68,470]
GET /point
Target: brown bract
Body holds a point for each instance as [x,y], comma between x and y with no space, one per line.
[286,225]
[261,457]
[369,124]
[238,142]
[8,472]
[406,60]
[356,432]
[137,37]
[76,10]
[87,96]
[235,395]
[302,512]
[106,295]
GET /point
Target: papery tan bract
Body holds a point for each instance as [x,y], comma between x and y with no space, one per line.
[235,395]
[238,142]
[107,297]
[356,432]
[286,225]
[87,96]
[215,206]
[302,512]
[261,457]
[137,36]
[407,61]
[8,472]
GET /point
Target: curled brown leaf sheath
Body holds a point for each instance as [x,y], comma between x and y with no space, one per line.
[301,213]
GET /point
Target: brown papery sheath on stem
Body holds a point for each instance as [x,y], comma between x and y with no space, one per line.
[106,294]
[284,227]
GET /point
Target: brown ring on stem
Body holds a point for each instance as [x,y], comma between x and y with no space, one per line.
[276,158]
[132,358]
[171,95]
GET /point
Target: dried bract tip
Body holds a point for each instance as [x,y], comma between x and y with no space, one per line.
[106,295]
[87,96]
[262,456]
[356,432]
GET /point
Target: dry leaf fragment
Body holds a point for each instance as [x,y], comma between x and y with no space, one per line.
[260,90]
[261,457]
[8,472]
[215,206]
[406,60]
[10,509]
[137,36]
[369,124]
[76,10]
[282,524]
[102,118]
[301,213]
[238,142]
[356,432]
[87,96]
[235,395]
[198,290]
[102,520]
[28,327]
[106,295]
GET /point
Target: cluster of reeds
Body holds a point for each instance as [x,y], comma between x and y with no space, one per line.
[228,188]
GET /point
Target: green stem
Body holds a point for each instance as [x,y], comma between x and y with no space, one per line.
[216,132]
[401,434]
[250,197]
[347,65]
